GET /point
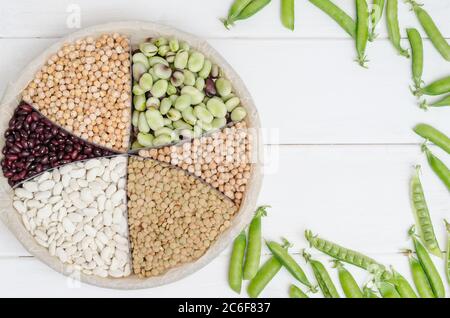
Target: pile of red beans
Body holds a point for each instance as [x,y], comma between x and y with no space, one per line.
[33,144]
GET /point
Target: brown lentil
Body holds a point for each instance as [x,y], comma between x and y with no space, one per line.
[173,217]
[222,159]
[86,88]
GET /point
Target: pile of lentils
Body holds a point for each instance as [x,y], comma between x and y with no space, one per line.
[178,94]
[33,144]
[222,159]
[173,217]
[85,88]
[78,212]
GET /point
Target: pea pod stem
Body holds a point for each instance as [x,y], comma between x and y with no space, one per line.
[428,266]
[375,17]
[236,262]
[288,14]
[393,26]
[362,31]
[338,15]
[248,11]
[419,277]
[433,135]
[431,29]
[447,256]
[348,282]
[439,168]
[445,101]
[422,215]
[281,253]
[295,292]
[416,43]
[253,255]
[323,278]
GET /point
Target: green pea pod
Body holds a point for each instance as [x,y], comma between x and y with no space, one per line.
[402,286]
[265,274]
[416,43]
[348,283]
[445,101]
[235,9]
[249,10]
[281,253]
[288,14]
[430,269]
[432,30]
[369,293]
[375,17]
[387,290]
[422,215]
[439,87]
[438,167]
[343,254]
[435,136]
[337,14]
[447,258]
[420,279]
[362,31]
[236,263]
[295,292]
[253,256]
[393,26]
[323,278]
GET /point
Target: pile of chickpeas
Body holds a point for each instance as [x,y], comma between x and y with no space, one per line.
[86,88]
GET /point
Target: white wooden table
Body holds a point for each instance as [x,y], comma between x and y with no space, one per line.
[342,153]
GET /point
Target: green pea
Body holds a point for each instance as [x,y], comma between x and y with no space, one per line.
[157,60]
[162,140]
[216,107]
[253,255]
[203,114]
[200,84]
[181,59]
[177,78]
[182,102]
[348,283]
[139,102]
[146,82]
[165,105]
[206,69]
[137,90]
[232,103]
[142,123]
[295,292]
[439,168]
[162,71]
[196,61]
[145,139]
[236,263]
[420,278]
[163,50]
[135,118]
[188,115]
[149,49]
[138,69]
[223,87]
[238,114]
[171,90]
[196,95]
[141,58]
[189,78]
[218,123]
[159,89]
[416,43]
[154,119]
[136,145]
[338,15]
[174,45]
[288,14]
[153,102]
[369,292]
[180,124]
[375,17]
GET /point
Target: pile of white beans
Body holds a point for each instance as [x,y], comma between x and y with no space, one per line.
[79,213]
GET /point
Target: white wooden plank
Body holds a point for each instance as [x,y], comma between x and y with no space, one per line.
[27,277]
[310,91]
[354,195]
[28,18]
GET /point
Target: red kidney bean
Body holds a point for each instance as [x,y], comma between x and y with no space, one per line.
[210,87]
[34,144]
